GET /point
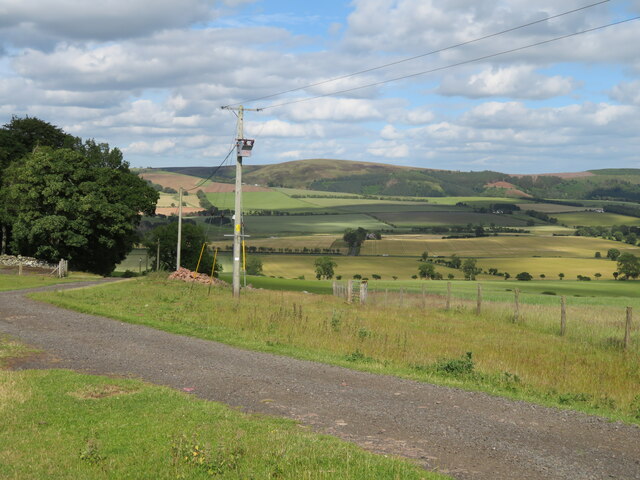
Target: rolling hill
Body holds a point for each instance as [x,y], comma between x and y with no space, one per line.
[366,178]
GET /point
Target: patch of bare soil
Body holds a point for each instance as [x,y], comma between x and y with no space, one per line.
[510,189]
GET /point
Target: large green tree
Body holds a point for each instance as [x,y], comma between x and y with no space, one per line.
[629,265]
[324,267]
[354,239]
[81,203]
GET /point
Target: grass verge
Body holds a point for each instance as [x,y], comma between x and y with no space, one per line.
[58,424]
[20,282]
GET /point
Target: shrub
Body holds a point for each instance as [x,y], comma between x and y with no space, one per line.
[456,366]
[524,276]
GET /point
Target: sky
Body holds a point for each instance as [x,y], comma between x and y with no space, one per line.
[150,77]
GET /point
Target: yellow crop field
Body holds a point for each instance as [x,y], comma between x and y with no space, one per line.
[551,267]
[500,246]
[292,266]
[590,219]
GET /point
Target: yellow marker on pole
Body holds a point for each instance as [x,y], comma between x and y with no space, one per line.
[199,259]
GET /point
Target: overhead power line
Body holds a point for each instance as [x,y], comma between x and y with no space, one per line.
[452,65]
[433,52]
[204,180]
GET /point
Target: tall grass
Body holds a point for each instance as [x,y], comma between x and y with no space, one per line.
[586,369]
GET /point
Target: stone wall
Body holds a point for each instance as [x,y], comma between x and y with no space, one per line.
[13,261]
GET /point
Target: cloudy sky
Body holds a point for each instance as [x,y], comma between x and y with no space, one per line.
[150,76]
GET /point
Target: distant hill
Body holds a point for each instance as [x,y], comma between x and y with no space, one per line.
[383,179]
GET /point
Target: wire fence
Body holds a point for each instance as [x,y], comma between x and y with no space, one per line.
[604,325]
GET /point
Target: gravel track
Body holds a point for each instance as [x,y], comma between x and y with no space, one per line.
[468,435]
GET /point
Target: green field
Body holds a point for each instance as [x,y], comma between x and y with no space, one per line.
[593,219]
[296,224]
[365,203]
[549,207]
[272,200]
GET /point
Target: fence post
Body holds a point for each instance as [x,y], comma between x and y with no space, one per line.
[563,315]
[479,301]
[333,284]
[20,268]
[349,291]
[448,305]
[424,298]
[627,328]
[363,293]
[516,306]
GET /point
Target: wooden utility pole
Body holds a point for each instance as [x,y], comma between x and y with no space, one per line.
[244,147]
[179,230]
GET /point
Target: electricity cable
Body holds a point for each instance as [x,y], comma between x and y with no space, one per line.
[446,67]
[202,182]
[433,52]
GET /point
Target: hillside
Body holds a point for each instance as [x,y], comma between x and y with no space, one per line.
[368,178]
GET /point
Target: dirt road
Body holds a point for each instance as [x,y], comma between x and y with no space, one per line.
[468,435]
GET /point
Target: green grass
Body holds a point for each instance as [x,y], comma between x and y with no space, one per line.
[62,425]
[20,282]
[601,293]
[137,261]
[592,219]
[585,369]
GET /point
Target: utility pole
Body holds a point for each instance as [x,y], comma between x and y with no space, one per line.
[179,230]
[244,147]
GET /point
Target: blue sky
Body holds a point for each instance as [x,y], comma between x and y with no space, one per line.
[149,76]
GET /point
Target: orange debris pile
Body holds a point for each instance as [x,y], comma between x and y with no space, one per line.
[187,275]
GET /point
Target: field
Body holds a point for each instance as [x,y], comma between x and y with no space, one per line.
[293,266]
[425,219]
[64,425]
[549,207]
[498,246]
[593,219]
[551,267]
[270,200]
[297,224]
[586,369]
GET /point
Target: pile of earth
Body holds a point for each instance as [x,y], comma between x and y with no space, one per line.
[187,275]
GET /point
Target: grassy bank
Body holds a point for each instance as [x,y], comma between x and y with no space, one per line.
[586,369]
[20,282]
[61,425]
